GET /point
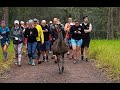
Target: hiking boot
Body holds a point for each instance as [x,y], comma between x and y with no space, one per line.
[86,59]
[33,63]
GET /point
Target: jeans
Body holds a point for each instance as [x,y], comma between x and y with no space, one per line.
[32,49]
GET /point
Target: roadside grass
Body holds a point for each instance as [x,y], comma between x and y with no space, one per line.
[6,66]
[107,55]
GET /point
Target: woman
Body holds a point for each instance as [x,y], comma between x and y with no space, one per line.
[31,33]
[17,35]
[67,36]
[5,41]
[76,32]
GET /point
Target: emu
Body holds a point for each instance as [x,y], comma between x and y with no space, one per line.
[59,49]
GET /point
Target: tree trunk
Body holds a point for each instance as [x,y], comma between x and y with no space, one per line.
[5,14]
[108,24]
[112,32]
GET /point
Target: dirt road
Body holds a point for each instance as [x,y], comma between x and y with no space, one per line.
[47,72]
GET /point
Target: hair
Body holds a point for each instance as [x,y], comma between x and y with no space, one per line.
[84,17]
[76,20]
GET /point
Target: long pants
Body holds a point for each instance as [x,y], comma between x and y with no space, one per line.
[32,49]
[18,51]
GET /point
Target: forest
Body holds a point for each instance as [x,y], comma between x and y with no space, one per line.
[105,20]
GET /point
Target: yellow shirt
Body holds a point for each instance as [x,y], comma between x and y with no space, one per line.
[40,34]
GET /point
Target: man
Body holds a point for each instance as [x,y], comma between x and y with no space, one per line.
[55,30]
[50,37]
[46,46]
[40,38]
[86,38]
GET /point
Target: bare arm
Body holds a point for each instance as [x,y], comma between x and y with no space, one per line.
[65,28]
[90,29]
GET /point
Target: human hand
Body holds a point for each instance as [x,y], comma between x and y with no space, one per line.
[85,31]
[79,32]
[16,38]
[1,37]
[75,32]
[42,43]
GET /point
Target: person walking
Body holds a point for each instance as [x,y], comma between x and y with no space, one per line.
[76,32]
[40,38]
[46,46]
[31,33]
[5,40]
[17,35]
[86,38]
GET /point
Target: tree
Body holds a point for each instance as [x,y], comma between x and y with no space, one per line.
[5,14]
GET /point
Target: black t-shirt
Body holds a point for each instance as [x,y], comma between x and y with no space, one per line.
[74,35]
[46,34]
[86,35]
[31,34]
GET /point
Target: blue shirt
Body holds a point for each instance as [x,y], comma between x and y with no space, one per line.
[3,33]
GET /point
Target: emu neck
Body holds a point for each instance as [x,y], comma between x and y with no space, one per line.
[60,38]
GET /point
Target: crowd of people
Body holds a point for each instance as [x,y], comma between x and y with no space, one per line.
[38,38]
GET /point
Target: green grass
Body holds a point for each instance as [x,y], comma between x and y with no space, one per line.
[107,55]
[4,67]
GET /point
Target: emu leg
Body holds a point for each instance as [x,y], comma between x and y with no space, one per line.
[58,62]
[62,63]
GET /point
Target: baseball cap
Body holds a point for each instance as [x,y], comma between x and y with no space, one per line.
[16,22]
[3,21]
[22,22]
[30,21]
[35,20]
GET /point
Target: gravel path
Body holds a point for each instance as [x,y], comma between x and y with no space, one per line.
[47,72]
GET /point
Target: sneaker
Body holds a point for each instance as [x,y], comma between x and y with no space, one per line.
[39,62]
[82,58]
[47,59]
[19,64]
[55,61]
[50,52]
[43,59]
[33,63]
[68,53]
[29,61]
[16,63]
[53,57]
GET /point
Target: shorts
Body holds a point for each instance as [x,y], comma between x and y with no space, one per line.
[45,46]
[38,45]
[76,42]
[86,43]
[4,43]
